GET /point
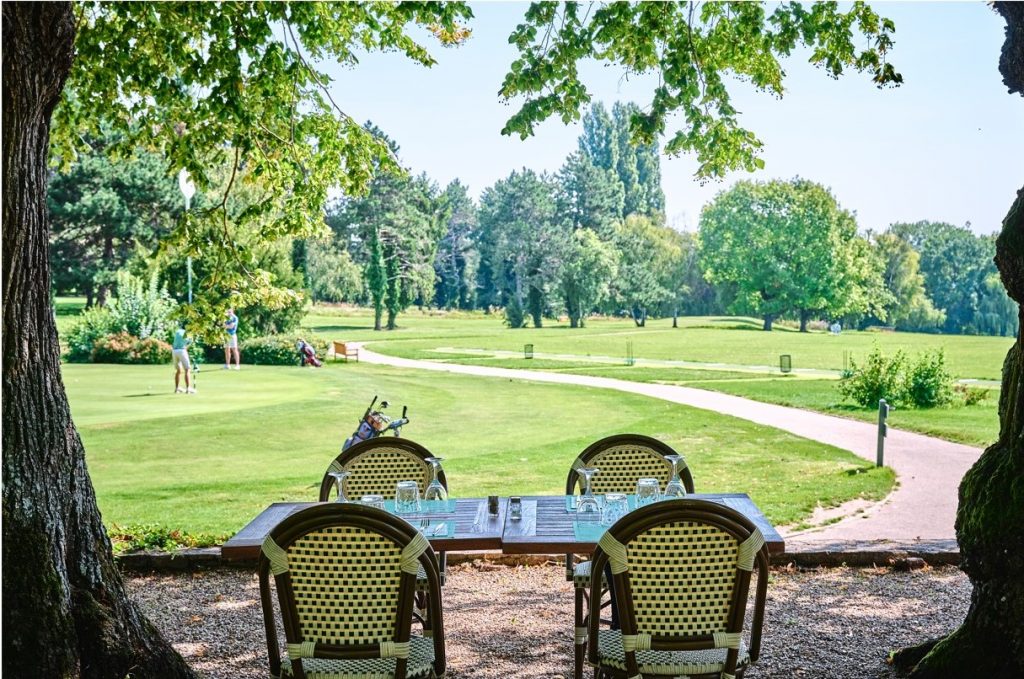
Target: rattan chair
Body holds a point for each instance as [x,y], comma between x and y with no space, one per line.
[345,577]
[622,459]
[375,466]
[681,576]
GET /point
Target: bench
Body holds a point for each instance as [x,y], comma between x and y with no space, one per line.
[345,350]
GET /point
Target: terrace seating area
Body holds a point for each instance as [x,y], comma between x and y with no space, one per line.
[354,576]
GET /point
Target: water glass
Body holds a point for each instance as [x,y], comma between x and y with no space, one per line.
[616,506]
[648,491]
[373,501]
[407,497]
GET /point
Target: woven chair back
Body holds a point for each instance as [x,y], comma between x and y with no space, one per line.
[687,563]
[345,577]
[376,466]
[622,460]
[681,571]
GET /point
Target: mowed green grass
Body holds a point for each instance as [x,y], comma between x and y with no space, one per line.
[210,462]
[975,425]
[730,340]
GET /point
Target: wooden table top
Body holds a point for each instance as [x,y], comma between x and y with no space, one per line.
[474,528]
[545,527]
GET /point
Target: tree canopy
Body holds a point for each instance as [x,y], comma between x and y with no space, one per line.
[694,49]
[786,247]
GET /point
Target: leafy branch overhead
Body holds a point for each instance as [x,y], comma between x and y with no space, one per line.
[238,85]
[693,48]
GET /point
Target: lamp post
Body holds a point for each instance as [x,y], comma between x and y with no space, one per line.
[188,189]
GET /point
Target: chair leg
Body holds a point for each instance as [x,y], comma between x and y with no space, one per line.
[580,633]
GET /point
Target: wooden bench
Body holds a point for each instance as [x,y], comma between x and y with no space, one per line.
[345,350]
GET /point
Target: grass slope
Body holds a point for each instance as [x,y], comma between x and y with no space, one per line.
[713,340]
[212,461]
[706,339]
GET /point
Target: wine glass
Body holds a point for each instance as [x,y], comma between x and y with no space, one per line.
[587,507]
[435,492]
[339,483]
[407,497]
[648,491]
[616,506]
[675,488]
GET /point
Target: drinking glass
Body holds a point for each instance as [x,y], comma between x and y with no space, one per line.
[435,492]
[373,501]
[675,488]
[647,492]
[616,506]
[587,507]
[407,497]
[339,483]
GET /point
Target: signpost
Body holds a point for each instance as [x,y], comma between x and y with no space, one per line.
[883,430]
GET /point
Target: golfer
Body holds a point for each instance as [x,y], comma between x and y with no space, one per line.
[231,344]
[179,352]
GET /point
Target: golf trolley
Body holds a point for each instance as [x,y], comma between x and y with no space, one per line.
[375,423]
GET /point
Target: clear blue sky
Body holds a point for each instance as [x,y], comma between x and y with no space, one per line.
[948,145]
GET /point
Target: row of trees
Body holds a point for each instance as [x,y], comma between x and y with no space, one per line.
[589,238]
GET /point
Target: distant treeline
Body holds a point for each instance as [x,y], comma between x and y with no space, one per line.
[590,238]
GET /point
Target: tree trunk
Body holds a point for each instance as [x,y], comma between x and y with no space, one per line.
[65,609]
[378,313]
[392,319]
[804,317]
[768,320]
[990,641]
[640,316]
[108,265]
[675,317]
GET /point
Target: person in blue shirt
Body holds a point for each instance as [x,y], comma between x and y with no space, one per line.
[231,343]
[179,352]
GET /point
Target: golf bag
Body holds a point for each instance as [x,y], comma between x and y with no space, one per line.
[307,354]
[375,423]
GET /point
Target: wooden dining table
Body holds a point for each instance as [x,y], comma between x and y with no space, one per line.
[544,527]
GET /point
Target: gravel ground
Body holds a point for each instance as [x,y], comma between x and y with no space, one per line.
[517,621]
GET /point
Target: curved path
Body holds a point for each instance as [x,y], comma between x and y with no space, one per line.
[920,511]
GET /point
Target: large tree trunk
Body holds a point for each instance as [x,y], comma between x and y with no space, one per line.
[65,609]
[804,317]
[768,320]
[990,641]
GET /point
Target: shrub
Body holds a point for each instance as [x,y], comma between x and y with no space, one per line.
[878,378]
[141,309]
[93,323]
[116,348]
[122,347]
[151,351]
[970,395]
[927,383]
[277,349]
[515,315]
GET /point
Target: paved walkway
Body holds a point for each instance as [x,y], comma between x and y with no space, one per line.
[921,510]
